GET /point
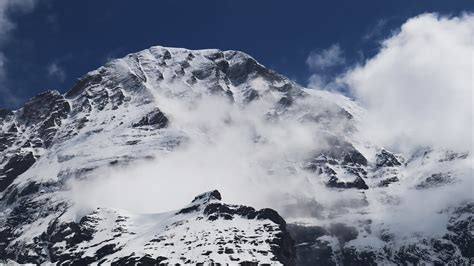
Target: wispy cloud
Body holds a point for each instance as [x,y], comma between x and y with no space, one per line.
[56,72]
[376,30]
[233,150]
[416,88]
[330,57]
[322,62]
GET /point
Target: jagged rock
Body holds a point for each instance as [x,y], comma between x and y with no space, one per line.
[386,159]
[310,250]
[17,165]
[285,101]
[63,239]
[88,80]
[206,197]
[4,113]
[342,155]
[358,183]
[388,181]
[155,118]
[436,180]
[451,155]
[461,226]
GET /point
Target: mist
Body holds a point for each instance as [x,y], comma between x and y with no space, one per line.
[237,150]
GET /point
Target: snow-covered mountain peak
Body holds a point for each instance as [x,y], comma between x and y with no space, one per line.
[165,124]
[207,197]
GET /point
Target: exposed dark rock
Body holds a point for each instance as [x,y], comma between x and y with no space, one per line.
[248,263]
[283,247]
[84,82]
[451,155]
[189,209]
[388,181]
[106,250]
[344,113]
[215,211]
[208,196]
[386,159]
[358,183]
[250,95]
[344,151]
[223,65]
[285,101]
[245,67]
[145,260]
[436,180]
[343,232]
[30,189]
[155,118]
[183,64]
[271,215]
[192,80]
[344,155]
[215,56]
[284,88]
[461,226]
[309,250]
[351,256]
[216,89]
[202,73]
[17,165]
[4,113]
[13,129]
[46,112]
[167,55]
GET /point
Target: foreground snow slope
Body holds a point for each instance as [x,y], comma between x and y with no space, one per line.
[205,231]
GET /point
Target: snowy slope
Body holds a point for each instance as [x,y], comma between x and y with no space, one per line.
[205,231]
[170,123]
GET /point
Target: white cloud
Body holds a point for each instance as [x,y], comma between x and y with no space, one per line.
[321,62]
[417,89]
[330,57]
[56,72]
[231,149]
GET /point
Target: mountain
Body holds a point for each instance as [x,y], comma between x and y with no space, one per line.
[164,123]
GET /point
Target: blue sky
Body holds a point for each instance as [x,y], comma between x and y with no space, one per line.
[55,42]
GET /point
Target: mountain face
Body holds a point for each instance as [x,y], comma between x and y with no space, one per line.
[345,199]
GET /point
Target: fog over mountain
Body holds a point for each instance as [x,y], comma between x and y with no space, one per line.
[171,155]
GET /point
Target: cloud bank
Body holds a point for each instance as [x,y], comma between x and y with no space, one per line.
[237,151]
[418,88]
